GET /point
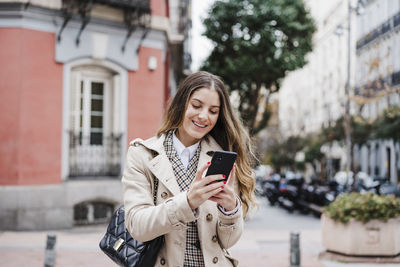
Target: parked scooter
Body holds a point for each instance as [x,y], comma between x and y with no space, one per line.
[377,185]
[290,193]
[312,196]
[271,188]
[316,195]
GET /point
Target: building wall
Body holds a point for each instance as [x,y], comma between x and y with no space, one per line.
[35,83]
[31,108]
[146,100]
[378,59]
[312,97]
[159,8]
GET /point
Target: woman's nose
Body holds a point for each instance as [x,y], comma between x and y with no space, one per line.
[203,114]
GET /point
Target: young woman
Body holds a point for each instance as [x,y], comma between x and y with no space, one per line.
[200,216]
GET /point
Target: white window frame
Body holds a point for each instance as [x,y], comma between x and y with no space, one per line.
[120,106]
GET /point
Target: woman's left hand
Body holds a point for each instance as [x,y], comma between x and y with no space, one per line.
[227,197]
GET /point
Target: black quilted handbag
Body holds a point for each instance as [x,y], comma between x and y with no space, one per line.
[120,246]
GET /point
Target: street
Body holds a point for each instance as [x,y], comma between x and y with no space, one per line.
[265,242]
[266,239]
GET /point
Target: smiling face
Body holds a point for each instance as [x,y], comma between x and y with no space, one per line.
[200,117]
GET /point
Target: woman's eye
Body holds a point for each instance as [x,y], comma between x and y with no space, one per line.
[213,112]
[195,106]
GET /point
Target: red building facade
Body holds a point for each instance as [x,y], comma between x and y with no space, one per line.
[79,79]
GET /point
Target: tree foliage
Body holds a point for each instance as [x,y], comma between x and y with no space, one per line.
[256,43]
[361,131]
[313,151]
[283,154]
[387,125]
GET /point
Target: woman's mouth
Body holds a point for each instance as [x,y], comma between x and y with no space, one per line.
[199,125]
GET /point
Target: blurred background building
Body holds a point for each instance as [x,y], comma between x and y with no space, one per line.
[377,82]
[314,97]
[79,80]
[311,97]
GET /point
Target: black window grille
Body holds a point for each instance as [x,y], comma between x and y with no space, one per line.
[396,78]
[385,27]
[99,157]
[396,20]
[92,212]
[379,31]
[142,4]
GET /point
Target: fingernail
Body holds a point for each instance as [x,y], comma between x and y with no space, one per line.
[222,187]
[224,182]
[223,175]
[208,163]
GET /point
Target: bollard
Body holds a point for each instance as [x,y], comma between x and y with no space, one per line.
[50,254]
[294,249]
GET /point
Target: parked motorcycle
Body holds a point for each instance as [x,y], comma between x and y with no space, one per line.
[376,185]
[271,189]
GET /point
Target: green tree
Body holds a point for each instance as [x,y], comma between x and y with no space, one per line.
[360,134]
[313,152]
[387,125]
[256,43]
[283,154]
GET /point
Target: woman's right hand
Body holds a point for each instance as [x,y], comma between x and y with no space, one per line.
[202,188]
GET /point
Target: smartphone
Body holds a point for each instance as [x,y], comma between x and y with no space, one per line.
[221,163]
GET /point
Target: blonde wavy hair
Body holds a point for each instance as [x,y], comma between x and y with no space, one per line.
[229,131]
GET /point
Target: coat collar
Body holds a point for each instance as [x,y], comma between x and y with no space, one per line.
[161,167]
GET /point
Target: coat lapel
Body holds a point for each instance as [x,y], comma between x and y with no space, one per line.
[161,167]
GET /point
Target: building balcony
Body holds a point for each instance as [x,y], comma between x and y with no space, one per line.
[379,32]
[94,156]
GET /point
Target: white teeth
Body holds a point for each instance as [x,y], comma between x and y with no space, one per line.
[199,125]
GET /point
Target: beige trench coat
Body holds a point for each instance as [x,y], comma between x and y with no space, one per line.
[217,232]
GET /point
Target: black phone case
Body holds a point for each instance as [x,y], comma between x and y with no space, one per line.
[221,163]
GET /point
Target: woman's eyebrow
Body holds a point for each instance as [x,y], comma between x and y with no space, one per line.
[215,106]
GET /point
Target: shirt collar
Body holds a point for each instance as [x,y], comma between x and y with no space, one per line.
[179,147]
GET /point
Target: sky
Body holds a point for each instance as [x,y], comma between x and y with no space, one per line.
[201,46]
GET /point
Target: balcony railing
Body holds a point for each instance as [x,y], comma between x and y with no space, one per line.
[137,14]
[385,27]
[373,88]
[142,4]
[94,160]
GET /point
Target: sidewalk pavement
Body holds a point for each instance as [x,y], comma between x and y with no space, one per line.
[79,247]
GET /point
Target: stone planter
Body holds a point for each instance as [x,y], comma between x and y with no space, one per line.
[374,238]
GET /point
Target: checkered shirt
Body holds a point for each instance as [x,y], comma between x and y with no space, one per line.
[193,253]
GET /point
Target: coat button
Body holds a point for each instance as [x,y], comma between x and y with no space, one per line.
[162,261]
[164,195]
[215,260]
[214,238]
[209,217]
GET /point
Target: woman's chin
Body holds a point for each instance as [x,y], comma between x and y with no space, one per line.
[196,134]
